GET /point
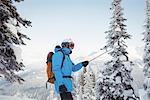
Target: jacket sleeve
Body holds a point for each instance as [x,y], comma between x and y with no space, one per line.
[76,67]
[56,67]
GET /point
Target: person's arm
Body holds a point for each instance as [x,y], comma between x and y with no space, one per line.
[76,67]
[56,67]
[79,65]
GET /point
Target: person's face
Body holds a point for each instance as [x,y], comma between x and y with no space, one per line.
[71,45]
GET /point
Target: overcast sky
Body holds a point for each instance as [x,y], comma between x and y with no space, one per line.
[85,21]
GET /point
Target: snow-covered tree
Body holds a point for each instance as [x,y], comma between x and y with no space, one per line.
[10,23]
[147,49]
[89,85]
[116,82]
[75,91]
[81,81]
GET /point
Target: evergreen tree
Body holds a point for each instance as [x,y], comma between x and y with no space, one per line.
[75,88]
[10,23]
[89,86]
[147,49]
[82,84]
[116,81]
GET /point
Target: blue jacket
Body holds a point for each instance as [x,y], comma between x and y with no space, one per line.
[66,70]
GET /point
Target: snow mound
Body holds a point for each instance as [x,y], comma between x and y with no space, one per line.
[143,95]
[3,97]
[33,88]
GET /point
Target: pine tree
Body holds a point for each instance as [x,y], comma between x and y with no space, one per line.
[116,80]
[81,81]
[10,23]
[89,86]
[147,49]
[75,88]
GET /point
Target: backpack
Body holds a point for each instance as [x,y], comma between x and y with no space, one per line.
[50,74]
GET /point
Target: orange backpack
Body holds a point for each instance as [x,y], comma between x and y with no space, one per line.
[50,74]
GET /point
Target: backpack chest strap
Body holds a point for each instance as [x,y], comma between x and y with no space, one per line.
[67,77]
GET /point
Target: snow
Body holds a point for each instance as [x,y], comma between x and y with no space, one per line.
[34,86]
[3,97]
[17,51]
[143,95]
[35,77]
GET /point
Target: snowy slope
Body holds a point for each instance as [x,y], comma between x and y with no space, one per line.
[33,87]
[137,73]
[143,95]
[35,76]
[2,97]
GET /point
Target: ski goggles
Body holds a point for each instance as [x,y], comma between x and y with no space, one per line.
[71,45]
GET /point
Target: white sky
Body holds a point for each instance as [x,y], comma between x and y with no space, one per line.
[85,21]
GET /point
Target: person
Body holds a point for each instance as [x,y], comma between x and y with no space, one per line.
[63,80]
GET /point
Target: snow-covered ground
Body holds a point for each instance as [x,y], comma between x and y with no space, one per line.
[34,87]
[143,95]
[2,97]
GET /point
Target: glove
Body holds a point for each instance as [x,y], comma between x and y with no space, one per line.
[85,63]
[62,88]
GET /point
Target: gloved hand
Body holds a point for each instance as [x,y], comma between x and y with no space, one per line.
[85,63]
[62,88]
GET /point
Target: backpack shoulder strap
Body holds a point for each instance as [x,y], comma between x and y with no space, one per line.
[62,59]
[49,57]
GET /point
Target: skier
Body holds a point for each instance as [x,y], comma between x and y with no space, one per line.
[63,80]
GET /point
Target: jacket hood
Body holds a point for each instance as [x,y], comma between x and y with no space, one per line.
[57,49]
[67,51]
